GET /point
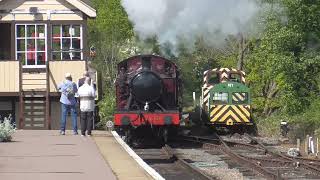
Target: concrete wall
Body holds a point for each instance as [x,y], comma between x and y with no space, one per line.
[9,76]
[44,6]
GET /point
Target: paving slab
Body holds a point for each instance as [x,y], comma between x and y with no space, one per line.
[39,155]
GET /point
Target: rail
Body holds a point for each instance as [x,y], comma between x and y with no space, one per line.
[261,165]
[171,155]
[312,165]
[248,163]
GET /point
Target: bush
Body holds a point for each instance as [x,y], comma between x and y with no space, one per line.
[106,110]
[6,130]
[269,126]
[308,122]
[300,125]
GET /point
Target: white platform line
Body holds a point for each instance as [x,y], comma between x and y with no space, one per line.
[154,174]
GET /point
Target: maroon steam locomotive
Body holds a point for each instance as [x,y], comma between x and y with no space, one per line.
[148,97]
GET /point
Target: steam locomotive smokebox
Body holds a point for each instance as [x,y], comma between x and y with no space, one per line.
[146,87]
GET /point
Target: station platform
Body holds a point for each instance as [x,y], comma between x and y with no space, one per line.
[121,163]
[42,154]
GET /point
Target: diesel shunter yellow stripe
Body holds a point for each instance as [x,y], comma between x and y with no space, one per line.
[227,113]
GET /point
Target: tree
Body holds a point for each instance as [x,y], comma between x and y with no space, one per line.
[109,32]
[282,66]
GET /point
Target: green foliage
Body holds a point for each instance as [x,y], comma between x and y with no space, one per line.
[109,33]
[6,130]
[269,126]
[112,22]
[284,66]
[282,61]
[308,122]
[106,109]
[192,65]
[281,67]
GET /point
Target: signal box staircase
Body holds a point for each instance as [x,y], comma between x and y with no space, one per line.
[34,99]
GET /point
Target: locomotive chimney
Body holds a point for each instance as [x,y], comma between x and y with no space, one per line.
[146,62]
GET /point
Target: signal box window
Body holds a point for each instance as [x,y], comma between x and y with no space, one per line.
[214,78]
[220,98]
[239,97]
[67,42]
[31,44]
[236,77]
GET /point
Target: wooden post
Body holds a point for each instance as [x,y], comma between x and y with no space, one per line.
[298,144]
[306,145]
[317,153]
[21,94]
[311,145]
[48,110]
[194,98]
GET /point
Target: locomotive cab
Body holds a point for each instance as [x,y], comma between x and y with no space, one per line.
[230,104]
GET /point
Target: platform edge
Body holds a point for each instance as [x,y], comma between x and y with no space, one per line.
[154,174]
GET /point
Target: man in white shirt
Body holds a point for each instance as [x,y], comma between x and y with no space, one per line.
[81,80]
[86,95]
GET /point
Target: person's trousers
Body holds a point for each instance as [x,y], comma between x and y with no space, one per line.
[86,122]
[64,111]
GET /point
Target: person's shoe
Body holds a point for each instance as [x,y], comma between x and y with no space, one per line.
[82,135]
[75,133]
[89,135]
[62,133]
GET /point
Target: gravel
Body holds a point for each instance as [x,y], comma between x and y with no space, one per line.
[224,173]
[268,141]
[213,165]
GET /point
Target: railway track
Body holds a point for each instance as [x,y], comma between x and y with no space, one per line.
[170,165]
[255,160]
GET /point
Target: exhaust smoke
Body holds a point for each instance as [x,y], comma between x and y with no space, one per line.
[171,20]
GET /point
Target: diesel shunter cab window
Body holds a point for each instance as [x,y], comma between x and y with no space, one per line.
[213,78]
[239,97]
[236,77]
[220,97]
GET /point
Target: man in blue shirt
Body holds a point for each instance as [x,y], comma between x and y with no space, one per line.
[68,101]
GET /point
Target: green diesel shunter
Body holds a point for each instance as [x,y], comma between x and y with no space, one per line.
[225,99]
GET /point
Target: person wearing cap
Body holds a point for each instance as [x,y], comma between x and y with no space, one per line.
[81,80]
[86,94]
[68,101]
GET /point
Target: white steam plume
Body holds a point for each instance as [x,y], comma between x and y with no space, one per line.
[169,19]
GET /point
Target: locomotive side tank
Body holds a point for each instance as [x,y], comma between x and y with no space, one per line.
[147,96]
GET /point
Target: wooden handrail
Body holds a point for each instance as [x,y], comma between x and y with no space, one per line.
[21,116]
[48,111]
